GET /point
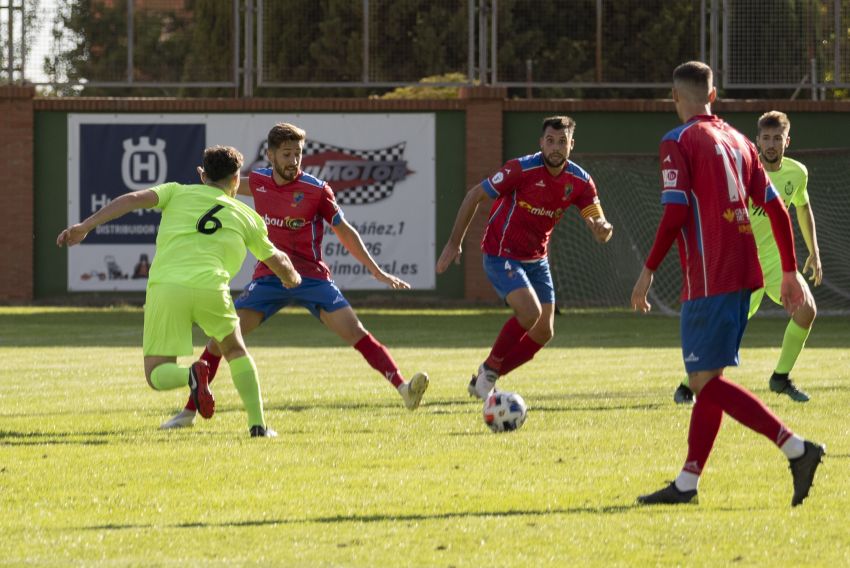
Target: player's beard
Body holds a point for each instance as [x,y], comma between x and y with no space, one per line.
[554,163]
[289,173]
[775,159]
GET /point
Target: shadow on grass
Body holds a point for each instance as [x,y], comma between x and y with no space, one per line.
[98,327]
[603,510]
[12,438]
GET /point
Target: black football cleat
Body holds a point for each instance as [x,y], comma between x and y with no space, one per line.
[670,495]
[803,470]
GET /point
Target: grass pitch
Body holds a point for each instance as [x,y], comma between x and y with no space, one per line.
[356,480]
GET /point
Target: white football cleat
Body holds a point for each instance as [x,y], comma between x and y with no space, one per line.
[182,419]
[483,384]
[411,393]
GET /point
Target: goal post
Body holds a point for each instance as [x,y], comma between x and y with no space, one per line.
[590,275]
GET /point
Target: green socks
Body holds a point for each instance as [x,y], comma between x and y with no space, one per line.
[170,376]
[792,345]
[244,374]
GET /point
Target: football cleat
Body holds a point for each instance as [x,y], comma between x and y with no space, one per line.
[782,384]
[683,395]
[262,432]
[199,386]
[182,419]
[670,495]
[803,470]
[483,383]
[412,392]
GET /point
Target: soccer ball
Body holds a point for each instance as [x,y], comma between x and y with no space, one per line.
[504,411]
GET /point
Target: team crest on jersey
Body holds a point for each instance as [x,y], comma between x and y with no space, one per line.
[789,188]
[671,177]
[297,197]
[358,177]
[568,190]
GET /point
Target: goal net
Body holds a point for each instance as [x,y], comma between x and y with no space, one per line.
[589,275]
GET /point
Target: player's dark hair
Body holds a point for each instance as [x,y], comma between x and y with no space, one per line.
[774,119]
[285,132]
[694,73]
[221,162]
[559,123]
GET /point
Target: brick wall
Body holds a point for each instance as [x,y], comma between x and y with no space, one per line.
[16,147]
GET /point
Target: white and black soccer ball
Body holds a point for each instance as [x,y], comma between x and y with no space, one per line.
[504,411]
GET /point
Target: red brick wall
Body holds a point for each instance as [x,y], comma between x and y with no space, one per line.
[483,157]
[16,148]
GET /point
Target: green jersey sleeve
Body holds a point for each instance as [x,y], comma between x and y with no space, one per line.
[801,196]
[258,237]
[164,192]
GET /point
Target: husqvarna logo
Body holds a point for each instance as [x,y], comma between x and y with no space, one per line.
[143,165]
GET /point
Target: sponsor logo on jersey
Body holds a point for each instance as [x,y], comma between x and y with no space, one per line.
[291,223]
[671,177]
[667,159]
[542,211]
[540,183]
[739,216]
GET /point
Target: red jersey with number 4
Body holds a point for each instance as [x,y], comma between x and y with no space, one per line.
[529,203]
[713,169]
[295,214]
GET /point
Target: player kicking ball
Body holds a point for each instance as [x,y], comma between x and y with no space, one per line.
[530,196]
[295,207]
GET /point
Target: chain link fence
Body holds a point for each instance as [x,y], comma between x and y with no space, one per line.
[596,46]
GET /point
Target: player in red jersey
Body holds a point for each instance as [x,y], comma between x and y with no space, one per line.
[709,170]
[295,206]
[531,195]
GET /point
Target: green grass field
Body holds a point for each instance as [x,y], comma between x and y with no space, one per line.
[356,480]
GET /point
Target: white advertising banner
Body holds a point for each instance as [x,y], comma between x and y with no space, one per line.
[381,167]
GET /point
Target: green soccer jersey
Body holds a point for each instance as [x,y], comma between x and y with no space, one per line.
[202,236]
[790,182]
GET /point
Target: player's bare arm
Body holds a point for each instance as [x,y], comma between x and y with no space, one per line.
[806,219]
[641,290]
[143,199]
[282,267]
[453,249]
[350,239]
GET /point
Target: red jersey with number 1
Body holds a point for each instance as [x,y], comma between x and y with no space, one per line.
[295,214]
[713,169]
[529,203]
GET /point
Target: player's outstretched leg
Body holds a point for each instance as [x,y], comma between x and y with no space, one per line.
[803,470]
[411,393]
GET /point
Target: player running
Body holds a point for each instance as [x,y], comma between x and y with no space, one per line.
[531,195]
[790,179]
[200,246]
[295,206]
[709,172]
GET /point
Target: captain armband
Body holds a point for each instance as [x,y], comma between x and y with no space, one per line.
[592,210]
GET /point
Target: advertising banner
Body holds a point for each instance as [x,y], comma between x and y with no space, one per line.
[380,166]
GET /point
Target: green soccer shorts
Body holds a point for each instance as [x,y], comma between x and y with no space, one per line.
[170,311]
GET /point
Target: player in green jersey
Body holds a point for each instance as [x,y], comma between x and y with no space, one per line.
[200,246]
[790,179]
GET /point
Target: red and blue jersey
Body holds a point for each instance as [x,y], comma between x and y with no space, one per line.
[712,170]
[529,202]
[295,214]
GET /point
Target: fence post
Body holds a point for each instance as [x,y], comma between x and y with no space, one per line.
[248,66]
[16,146]
[484,108]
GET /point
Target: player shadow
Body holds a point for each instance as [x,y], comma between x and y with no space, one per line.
[14,438]
[336,519]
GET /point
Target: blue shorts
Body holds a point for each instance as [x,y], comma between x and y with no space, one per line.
[712,329]
[508,275]
[268,296]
